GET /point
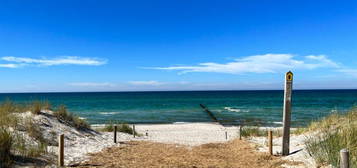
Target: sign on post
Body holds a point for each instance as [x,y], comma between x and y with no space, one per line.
[287,112]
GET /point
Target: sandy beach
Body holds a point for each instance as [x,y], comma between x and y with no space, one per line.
[193,135]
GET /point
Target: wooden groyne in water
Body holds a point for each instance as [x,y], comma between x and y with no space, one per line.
[209,112]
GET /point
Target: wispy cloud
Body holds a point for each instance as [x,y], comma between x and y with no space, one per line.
[10,65]
[16,62]
[146,83]
[92,84]
[349,71]
[268,63]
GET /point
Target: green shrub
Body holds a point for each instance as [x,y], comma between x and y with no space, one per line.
[73,120]
[6,141]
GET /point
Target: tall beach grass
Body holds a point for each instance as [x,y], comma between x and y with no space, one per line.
[12,142]
[333,133]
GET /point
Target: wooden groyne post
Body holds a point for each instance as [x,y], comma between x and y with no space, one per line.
[287,112]
[209,112]
[270,142]
[61,150]
[344,158]
[115,133]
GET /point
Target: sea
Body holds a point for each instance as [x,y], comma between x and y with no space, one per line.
[261,108]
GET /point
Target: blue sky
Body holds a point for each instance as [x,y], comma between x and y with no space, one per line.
[88,45]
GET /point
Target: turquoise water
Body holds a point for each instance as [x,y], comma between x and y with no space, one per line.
[233,107]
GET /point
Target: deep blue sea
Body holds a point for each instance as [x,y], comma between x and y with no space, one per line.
[231,107]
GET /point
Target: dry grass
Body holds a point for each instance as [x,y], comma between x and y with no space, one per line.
[6,142]
[233,154]
[336,132]
[63,115]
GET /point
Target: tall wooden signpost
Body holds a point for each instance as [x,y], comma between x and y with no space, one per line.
[287,112]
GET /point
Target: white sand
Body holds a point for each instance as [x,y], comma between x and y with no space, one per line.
[297,149]
[78,144]
[188,133]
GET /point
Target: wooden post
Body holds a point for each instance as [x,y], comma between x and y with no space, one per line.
[240,132]
[270,142]
[115,134]
[345,161]
[287,113]
[61,150]
[226,135]
[134,130]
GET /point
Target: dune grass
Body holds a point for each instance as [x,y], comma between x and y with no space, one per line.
[13,142]
[109,127]
[63,115]
[6,143]
[335,132]
[250,131]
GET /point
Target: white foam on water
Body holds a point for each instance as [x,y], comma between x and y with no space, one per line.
[278,122]
[235,110]
[108,113]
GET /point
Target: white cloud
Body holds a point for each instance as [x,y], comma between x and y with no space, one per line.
[10,65]
[65,60]
[146,83]
[349,71]
[92,84]
[268,63]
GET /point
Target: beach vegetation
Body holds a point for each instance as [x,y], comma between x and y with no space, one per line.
[6,142]
[36,107]
[333,133]
[16,129]
[125,128]
[63,115]
[249,131]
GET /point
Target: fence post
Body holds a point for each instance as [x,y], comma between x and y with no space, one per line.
[61,150]
[345,161]
[240,132]
[287,112]
[115,134]
[226,135]
[270,142]
[134,130]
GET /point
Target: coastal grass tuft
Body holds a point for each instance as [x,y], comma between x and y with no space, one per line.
[36,107]
[15,129]
[250,131]
[334,132]
[62,114]
[6,142]
[125,128]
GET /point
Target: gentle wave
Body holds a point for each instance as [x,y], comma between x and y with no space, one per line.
[235,109]
[108,113]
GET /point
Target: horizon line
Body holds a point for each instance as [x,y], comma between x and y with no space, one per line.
[170,91]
